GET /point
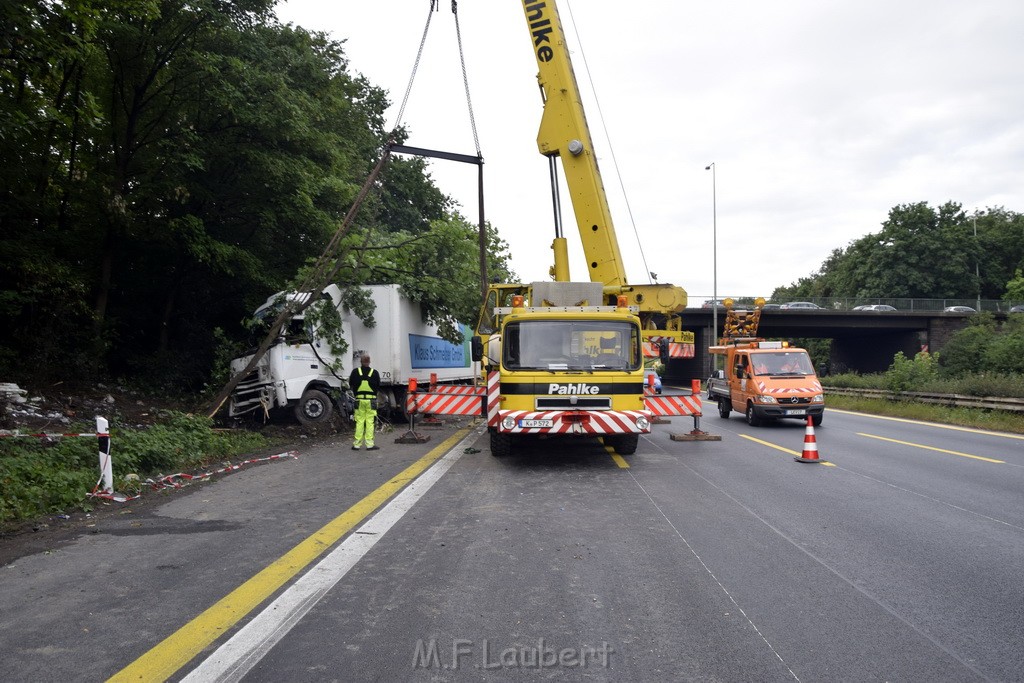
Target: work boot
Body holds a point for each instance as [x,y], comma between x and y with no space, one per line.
[373,448]
[355,448]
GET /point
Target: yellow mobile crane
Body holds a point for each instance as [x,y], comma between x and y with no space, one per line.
[565,135]
[567,358]
[563,357]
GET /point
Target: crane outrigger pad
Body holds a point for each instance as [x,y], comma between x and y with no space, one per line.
[695,435]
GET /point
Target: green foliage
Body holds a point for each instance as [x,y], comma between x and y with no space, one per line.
[910,375]
[852,380]
[986,347]
[39,478]
[973,384]
[980,384]
[1015,287]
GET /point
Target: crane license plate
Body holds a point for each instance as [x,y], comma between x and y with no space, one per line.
[527,424]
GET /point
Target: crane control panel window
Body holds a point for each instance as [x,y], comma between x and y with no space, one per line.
[593,346]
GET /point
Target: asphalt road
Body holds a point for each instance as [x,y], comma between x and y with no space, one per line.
[900,559]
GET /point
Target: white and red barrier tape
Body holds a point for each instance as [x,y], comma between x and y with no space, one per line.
[182,479]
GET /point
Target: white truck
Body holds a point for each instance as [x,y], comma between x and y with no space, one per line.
[296,372]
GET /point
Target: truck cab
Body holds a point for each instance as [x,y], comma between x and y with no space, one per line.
[766,380]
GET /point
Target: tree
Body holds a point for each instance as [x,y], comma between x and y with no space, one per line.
[1015,287]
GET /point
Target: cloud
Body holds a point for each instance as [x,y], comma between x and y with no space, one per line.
[819,118]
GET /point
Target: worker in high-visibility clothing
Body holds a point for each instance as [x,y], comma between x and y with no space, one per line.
[364,382]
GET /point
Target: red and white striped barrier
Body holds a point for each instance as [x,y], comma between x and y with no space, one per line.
[675,349]
[662,405]
[446,400]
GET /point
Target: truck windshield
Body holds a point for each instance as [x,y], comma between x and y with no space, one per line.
[778,364]
[589,345]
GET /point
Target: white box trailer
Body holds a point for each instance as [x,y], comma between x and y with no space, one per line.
[296,371]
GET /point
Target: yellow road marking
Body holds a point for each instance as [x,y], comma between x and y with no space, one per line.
[179,648]
[780,448]
[971,430]
[932,448]
[619,460]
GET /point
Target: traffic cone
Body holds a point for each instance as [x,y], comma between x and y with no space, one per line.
[810,453]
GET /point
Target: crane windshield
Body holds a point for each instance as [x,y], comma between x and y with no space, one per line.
[594,346]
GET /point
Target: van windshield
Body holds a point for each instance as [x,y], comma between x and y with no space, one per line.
[787,363]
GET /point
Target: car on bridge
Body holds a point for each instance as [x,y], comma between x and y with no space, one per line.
[793,305]
[959,309]
[1019,308]
[874,307]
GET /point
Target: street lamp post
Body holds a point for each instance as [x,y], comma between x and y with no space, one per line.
[977,268]
[714,258]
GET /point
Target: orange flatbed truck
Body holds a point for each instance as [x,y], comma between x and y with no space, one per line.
[763,380]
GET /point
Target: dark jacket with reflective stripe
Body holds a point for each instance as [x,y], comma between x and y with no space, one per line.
[357,379]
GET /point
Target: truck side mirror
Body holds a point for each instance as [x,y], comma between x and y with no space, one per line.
[476,346]
[663,350]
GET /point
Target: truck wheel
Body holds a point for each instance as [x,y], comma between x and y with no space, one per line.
[501,445]
[816,419]
[724,407]
[314,408]
[751,417]
[625,444]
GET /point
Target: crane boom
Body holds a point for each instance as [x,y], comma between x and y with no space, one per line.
[565,135]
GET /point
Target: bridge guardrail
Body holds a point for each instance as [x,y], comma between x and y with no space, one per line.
[1015,405]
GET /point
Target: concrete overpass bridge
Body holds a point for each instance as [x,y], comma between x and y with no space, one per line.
[863,341]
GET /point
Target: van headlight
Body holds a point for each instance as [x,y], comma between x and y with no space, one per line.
[765,399]
[818,398]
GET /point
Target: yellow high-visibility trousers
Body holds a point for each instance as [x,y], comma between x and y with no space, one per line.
[365,416]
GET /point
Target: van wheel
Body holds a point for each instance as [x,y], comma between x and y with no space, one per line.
[724,407]
[752,419]
[816,419]
[314,408]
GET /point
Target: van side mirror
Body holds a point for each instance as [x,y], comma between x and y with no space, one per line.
[476,346]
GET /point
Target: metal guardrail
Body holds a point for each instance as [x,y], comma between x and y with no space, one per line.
[1014,405]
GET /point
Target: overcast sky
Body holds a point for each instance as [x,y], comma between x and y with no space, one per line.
[819,117]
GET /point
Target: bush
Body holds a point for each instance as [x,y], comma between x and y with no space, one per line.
[911,375]
[852,380]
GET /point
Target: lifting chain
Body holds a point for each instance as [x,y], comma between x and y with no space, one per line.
[465,78]
[462,61]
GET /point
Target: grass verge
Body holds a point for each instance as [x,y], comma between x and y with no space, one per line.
[965,417]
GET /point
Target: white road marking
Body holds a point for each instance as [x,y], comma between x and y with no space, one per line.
[236,657]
